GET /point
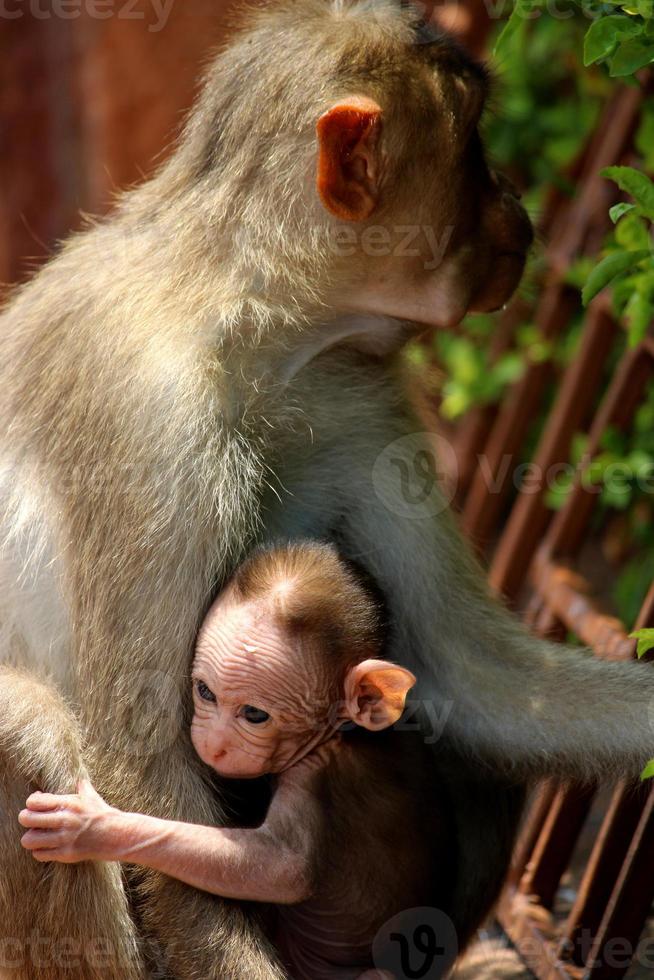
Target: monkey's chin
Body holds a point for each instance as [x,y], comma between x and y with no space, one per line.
[501,284]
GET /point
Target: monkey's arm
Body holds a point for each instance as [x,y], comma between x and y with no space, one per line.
[263,864]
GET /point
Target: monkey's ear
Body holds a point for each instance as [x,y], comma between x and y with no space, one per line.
[375,693]
[349,158]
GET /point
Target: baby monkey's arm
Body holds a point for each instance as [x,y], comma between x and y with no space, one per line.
[271,863]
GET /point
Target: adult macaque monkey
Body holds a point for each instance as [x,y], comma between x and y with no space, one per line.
[212,366]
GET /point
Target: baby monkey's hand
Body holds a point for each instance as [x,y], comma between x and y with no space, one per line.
[70,828]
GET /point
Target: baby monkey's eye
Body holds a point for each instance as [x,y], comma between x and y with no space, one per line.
[205,693]
[256,716]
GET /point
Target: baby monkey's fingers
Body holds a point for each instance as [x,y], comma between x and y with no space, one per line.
[44,840]
[46,819]
[50,845]
[52,801]
[43,856]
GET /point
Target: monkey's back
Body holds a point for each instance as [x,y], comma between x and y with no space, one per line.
[381,852]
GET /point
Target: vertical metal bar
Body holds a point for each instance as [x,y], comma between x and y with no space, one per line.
[530,516]
[555,845]
[629,905]
[532,829]
[601,873]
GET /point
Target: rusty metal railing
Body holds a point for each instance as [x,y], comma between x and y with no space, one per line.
[617,887]
[537,551]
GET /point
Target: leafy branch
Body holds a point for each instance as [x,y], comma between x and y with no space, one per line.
[629,262]
[622,38]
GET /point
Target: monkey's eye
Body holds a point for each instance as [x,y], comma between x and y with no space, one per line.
[205,693]
[256,716]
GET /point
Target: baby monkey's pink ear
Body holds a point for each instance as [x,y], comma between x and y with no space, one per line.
[349,162]
[375,693]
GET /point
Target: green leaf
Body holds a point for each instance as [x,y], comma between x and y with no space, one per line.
[618,210]
[641,463]
[648,771]
[644,8]
[610,267]
[645,639]
[613,440]
[511,367]
[634,182]
[645,135]
[639,313]
[513,24]
[578,447]
[579,270]
[632,54]
[617,494]
[604,35]
[641,8]
[632,232]
[523,11]
[557,495]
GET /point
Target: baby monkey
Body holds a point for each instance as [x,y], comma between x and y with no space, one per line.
[288,679]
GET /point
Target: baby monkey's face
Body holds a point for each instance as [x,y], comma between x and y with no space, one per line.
[264,696]
[260,701]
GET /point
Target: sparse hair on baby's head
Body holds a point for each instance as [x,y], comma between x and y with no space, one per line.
[314,592]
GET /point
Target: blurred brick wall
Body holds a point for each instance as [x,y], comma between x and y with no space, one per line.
[89,105]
